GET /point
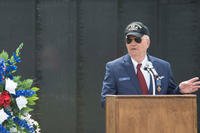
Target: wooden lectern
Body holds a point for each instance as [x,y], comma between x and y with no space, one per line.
[151,114]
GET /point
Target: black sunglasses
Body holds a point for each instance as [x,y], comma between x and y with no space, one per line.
[137,39]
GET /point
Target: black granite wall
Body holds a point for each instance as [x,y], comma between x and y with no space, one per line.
[68,42]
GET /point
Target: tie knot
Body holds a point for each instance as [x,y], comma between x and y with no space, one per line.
[138,66]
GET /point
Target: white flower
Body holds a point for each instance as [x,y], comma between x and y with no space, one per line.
[35,123]
[3,115]
[26,117]
[10,86]
[13,130]
[21,102]
[38,130]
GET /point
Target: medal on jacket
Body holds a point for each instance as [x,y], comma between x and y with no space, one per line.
[158,83]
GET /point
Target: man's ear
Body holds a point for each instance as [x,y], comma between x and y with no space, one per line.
[149,42]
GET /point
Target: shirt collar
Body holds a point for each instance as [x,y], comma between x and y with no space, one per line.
[135,63]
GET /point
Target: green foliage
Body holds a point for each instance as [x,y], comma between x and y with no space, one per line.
[31,100]
[27,109]
[4,55]
[9,123]
[26,84]
[1,87]
[17,79]
[19,49]
[35,89]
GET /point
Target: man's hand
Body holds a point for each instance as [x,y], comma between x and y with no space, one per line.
[190,85]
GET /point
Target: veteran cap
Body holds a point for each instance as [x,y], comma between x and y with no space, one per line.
[137,29]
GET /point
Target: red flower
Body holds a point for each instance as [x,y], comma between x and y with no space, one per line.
[1,100]
[5,99]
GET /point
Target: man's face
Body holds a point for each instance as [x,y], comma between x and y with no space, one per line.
[138,49]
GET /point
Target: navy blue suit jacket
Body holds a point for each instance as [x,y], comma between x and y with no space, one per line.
[120,78]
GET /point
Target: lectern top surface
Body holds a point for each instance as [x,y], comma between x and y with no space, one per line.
[152,96]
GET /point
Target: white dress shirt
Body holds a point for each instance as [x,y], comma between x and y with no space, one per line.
[144,72]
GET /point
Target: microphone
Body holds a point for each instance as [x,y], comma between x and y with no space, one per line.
[149,67]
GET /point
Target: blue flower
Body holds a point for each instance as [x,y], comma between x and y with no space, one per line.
[3,129]
[23,123]
[26,93]
[10,67]
[16,58]
[2,69]
[8,113]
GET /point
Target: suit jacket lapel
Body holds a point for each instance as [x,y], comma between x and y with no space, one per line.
[130,70]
